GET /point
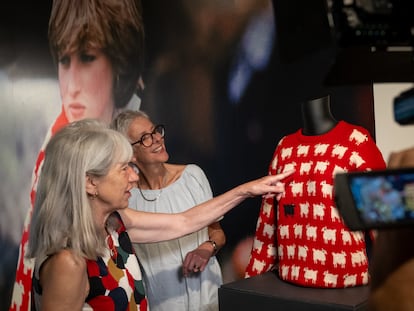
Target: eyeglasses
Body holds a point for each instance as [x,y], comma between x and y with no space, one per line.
[148,138]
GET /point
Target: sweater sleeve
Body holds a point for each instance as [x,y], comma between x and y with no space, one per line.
[263,254]
[366,156]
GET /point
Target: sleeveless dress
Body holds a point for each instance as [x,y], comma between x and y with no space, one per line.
[21,297]
[114,280]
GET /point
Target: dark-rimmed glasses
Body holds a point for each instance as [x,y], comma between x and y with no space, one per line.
[148,138]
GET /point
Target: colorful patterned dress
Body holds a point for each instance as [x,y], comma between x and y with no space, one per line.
[115,282]
[21,297]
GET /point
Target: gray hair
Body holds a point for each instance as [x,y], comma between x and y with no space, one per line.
[62,213]
[124,119]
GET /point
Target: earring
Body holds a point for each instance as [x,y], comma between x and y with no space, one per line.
[95,195]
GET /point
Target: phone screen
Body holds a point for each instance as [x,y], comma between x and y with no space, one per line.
[383,198]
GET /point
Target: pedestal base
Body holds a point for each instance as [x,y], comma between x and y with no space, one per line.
[267,292]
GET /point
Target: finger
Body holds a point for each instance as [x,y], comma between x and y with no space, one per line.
[193,265]
[281,186]
[199,265]
[190,269]
[203,266]
[196,268]
[188,260]
[285,176]
[276,190]
[186,271]
[188,264]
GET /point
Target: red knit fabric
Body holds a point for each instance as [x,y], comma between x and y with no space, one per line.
[313,246]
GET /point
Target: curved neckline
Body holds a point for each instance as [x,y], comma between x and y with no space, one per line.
[170,185]
[337,129]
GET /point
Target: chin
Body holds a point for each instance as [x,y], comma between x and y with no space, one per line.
[124,206]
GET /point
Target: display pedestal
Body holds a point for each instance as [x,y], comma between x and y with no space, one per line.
[267,292]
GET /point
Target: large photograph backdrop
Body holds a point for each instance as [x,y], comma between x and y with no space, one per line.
[214,76]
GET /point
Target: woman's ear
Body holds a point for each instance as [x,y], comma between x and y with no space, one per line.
[90,185]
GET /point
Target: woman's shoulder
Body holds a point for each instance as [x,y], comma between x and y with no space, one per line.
[195,175]
[181,170]
[67,270]
[186,172]
[194,168]
[68,266]
[195,171]
[67,260]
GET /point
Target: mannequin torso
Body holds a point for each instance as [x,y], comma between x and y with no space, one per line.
[317,117]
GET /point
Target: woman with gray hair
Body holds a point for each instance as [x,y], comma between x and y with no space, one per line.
[184,273]
[98,52]
[82,230]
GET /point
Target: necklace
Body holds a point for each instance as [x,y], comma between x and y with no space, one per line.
[163,182]
[150,200]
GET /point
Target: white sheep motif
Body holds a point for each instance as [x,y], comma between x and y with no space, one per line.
[302,150]
[339,151]
[358,137]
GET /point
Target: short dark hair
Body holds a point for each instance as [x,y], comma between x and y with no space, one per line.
[114,26]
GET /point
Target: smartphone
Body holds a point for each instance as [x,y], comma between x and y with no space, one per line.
[376,199]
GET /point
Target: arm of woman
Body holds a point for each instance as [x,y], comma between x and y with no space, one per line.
[154,227]
[64,282]
[217,238]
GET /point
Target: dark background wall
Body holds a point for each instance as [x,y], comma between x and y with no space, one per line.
[187,89]
[193,48]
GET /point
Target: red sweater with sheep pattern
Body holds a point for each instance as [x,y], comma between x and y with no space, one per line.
[313,245]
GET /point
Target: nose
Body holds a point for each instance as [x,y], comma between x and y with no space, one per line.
[157,137]
[73,77]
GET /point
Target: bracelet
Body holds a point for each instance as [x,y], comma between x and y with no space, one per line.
[215,249]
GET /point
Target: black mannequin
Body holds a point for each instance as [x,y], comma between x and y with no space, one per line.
[317,116]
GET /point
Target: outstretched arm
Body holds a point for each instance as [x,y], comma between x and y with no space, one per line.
[154,227]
